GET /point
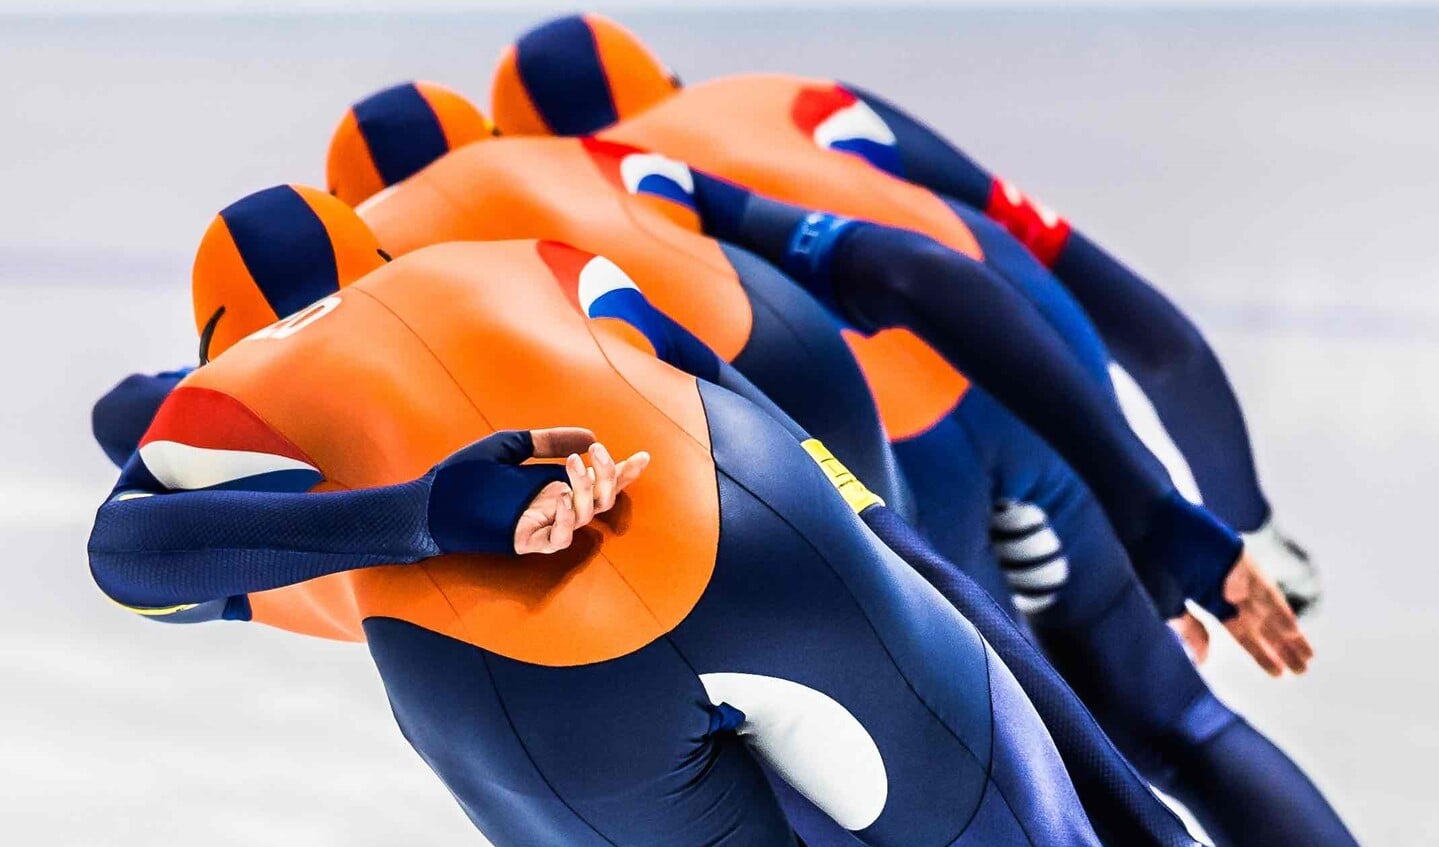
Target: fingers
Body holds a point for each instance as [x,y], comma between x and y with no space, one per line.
[602,469]
[1255,646]
[1280,628]
[562,532]
[534,530]
[549,522]
[1264,624]
[582,487]
[560,441]
[630,469]
[1194,635]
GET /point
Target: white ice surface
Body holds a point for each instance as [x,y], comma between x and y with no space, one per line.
[1275,172]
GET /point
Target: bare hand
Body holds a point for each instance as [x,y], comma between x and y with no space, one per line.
[549,522]
[1264,625]
[1192,632]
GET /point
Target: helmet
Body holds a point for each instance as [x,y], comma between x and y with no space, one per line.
[575,75]
[392,134]
[271,254]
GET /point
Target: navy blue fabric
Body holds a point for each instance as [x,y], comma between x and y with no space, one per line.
[939,745]
[796,356]
[235,608]
[1102,632]
[559,65]
[629,751]
[480,492]
[994,330]
[120,418]
[1146,334]
[881,155]
[811,249]
[1122,807]
[198,546]
[926,158]
[1013,261]
[677,346]
[1179,373]
[981,324]
[402,131]
[285,247]
[613,753]
[673,343]
[1247,793]
[730,213]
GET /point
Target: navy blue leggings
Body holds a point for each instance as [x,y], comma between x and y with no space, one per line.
[1058,558]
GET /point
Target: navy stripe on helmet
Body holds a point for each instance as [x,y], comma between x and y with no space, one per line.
[285,247]
[559,65]
[402,131]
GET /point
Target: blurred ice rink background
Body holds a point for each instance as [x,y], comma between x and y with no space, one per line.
[1273,170]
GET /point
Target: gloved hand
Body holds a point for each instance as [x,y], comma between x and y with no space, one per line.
[484,500]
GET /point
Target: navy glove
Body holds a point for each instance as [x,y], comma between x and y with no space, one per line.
[478,494]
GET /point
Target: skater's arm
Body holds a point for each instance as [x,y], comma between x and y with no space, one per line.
[879,276]
[191,523]
[1145,332]
[121,417]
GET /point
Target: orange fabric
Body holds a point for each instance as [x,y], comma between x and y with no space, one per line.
[637,78]
[323,608]
[556,189]
[220,278]
[743,128]
[439,349]
[350,172]
[913,386]
[460,121]
[510,104]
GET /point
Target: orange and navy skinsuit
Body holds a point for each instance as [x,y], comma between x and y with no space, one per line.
[598,696]
[820,144]
[744,130]
[578,75]
[642,209]
[278,232]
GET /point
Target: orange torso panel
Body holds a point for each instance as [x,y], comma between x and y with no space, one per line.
[437,350]
[564,190]
[744,128]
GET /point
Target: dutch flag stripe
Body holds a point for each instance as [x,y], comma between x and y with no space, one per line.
[185,467]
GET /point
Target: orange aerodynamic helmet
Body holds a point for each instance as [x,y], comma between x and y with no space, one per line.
[271,254]
[392,134]
[575,75]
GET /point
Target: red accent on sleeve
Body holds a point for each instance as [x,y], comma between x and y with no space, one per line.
[204,417]
[1038,228]
[565,262]
[813,105]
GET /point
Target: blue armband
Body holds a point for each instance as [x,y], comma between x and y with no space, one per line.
[810,253]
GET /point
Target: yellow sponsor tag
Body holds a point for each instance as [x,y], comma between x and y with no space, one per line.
[155,612]
[850,488]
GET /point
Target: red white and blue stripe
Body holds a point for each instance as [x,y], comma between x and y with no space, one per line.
[838,120]
[203,439]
